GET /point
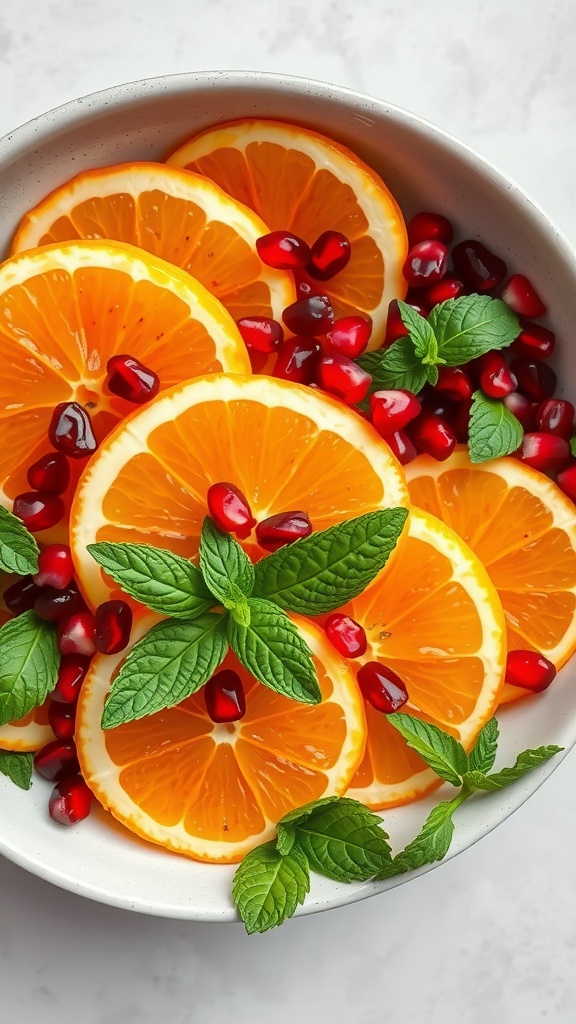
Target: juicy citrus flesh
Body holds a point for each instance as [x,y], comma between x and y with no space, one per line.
[523,529]
[214,791]
[28,733]
[177,216]
[301,181]
[285,446]
[433,617]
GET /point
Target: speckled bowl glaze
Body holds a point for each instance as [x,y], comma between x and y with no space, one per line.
[426,169]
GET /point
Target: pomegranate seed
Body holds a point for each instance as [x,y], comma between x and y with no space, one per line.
[343,377]
[425,263]
[328,256]
[381,687]
[283,251]
[130,379]
[54,605]
[447,288]
[297,360]
[401,446]
[534,342]
[392,410]
[566,480]
[346,635]
[522,408]
[478,266]
[21,596]
[349,336]
[283,528]
[453,382]
[70,431]
[113,626]
[230,509]
[309,316]
[521,296]
[434,436]
[71,675]
[555,416]
[70,800]
[395,326]
[51,474]
[62,719]
[304,288]
[535,379]
[261,333]
[544,452]
[76,634]
[57,760]
[55,567]
[530,670]
[38,511]
[224,696]
[496,380]
[423,227]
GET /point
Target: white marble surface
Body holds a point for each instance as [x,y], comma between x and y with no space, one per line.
[491,935]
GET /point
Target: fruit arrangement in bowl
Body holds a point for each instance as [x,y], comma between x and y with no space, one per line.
[287,520]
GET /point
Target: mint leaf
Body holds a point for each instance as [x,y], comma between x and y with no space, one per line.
[441,751]
[421,334]
[172,661]
[396,367]
[493,430]
[166,583]
[268,887]
[573,445]
[271,648]
[18,548]
[325,570]
[286,827]
[470,326]
[482,756]
[525,762]
[28,665]
[18,767]
[431,844]
[344,841]
[225,566]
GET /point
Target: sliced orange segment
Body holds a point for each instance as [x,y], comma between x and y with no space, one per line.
[213,792]
[28,733]
[298,180]
[523,529]
[175,215]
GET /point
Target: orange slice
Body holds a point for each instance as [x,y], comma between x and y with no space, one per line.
[300,181]
[213,792]
[523,529]
[32,731]
[177,216]
[285,446]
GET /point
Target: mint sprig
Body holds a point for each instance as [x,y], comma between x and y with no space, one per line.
[493,430]
[28,666]
[17,767]
[269,886]
[228,572]
[18,547]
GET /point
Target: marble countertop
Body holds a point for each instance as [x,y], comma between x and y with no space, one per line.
[492,934]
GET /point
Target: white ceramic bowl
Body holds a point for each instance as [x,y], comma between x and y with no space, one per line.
[426,169]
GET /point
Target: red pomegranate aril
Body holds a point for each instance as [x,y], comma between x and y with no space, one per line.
[283,528]
[130,379]
[76,634]
[382,687]
[395,326]
[54,605]
[328,256]
[522,408]
[230,509]
[349,336]
[521,296]
[434,436]
[530,670]
[62,719]
[70,801]
[556,416]
[71,675]
[401,446]
[55,567]
[454,383]
[496,380]
[38,511]
[478,266]
[224,697]
[392,410]
[346,635]
[283,250]
[534,342]
[424,227]
[70,431]
[536,380]
[21,596]
[342,377]
[50,474]
[113,625]
[545,452]
[447,288]
[425,264]
[311,316]
[261,333]
[566,480]
[57,760]
[297,360]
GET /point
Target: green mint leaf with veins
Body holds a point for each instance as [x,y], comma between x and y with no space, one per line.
[29,661]
[226,568]
[493,430]
[286,828]
[344,841]
[268,887]
[468,327]
[396,367]
[324,571]
[525,762]
[271,648]
[18,548]
[483,754]
[164,582]
[431,844]
[422,335]
[441,751]
[171,662]
[18,767]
